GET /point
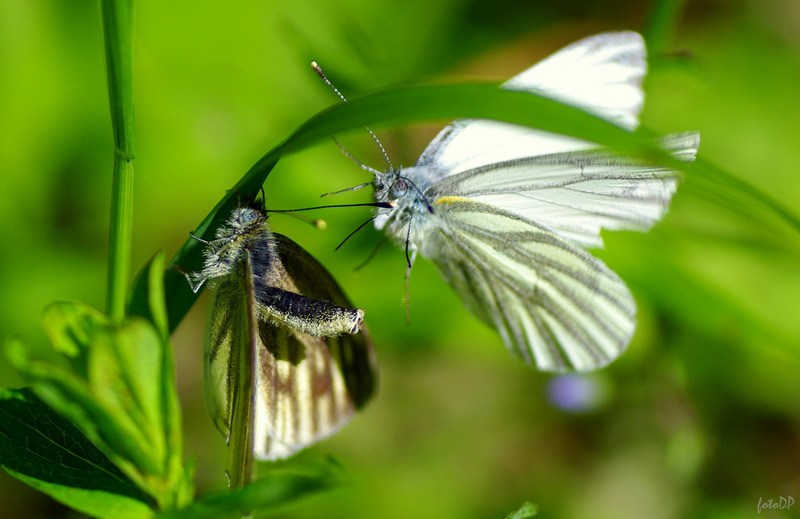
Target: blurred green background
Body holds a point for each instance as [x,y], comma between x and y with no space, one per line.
[700,418]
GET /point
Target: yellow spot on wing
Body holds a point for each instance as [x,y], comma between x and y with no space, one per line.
[451,200]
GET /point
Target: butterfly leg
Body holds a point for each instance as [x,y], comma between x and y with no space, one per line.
[410,259]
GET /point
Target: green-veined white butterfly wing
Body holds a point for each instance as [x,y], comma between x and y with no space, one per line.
[313,385]
[553,303]
[576,193]
[601,74]
[299,387]
[230,332]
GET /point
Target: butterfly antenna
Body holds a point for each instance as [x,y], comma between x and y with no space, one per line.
[382,205]
[321,74]
[351,157]
[353,233]
[345,190]
[360,165]
[380,146]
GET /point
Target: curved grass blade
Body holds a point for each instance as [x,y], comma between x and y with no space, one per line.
[398,106]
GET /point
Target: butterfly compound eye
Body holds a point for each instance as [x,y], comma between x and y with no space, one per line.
[247,216]
[399,188]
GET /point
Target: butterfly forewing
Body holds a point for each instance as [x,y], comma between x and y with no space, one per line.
[229,368]
[601,74]
[576,194]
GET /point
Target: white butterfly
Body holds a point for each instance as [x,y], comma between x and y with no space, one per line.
[505,211]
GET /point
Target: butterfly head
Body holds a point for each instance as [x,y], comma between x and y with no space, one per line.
[407,198]
[243,221]
[384,186]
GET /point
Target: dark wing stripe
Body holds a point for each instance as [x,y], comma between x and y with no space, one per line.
[489,295]
[506,294]
[500,242]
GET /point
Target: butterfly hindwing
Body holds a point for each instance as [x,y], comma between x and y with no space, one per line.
[311,385]
[553,303]
[229,373]
[353,353]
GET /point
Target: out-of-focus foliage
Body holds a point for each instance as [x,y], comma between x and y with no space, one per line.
[698,419]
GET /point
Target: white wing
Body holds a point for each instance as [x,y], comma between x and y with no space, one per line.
[601,74]
[576,193]
[552,302]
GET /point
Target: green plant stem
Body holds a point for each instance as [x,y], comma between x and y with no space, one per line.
[119,264]
[118,30]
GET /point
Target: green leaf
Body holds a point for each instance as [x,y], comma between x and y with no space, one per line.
[69,394]
[125,378]
[277,489]
[152,306]
[150,303]
[69,327]
[120,390]
[184,487]
[526,511]
[170,405]
[94,503]
[727,190]
[48,452]
[114,398]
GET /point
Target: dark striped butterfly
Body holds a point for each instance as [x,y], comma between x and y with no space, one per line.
[279,321]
